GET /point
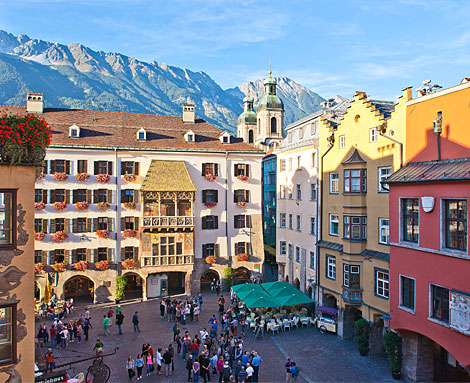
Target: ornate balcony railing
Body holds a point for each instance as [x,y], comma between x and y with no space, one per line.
[167,260]
[168,221]
[352,296]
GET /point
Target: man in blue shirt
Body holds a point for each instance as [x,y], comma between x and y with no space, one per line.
[245,359]
[256,361]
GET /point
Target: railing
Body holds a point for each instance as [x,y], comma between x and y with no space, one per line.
[352,296]
[167,260]
[167,221]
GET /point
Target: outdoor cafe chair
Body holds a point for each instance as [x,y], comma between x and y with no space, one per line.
[286,324]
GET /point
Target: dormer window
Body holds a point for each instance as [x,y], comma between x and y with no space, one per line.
[190,136]
[141,135]
[225,138]
[74,131]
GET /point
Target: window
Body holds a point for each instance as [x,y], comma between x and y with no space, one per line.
[78,255]
[37,225]
[456,224]
[59,195]
[282,248]
[129,167]
[291,221]
[242,248]
[102,253]
[355,181]
[289,192]
[410,219]
[312,259]
[355,227]
[61,166]
[242,170]
[330,267]
[128,252]
[334,224]
[241,195]
[103,223]
[283,165]
[291,250]
[273,125]
[289,137]
[297,254]
[301,133]
[282,220]
[82,166]
[81,225]
[407,293]
[208,249]
[127,195]
[312,225]
[57,256]
[210,195]
[373,135]
[440,303]
[210,169]
[313,192]
[37,195]
[383,175]
[334,183]
[342,142]
[299,226]
[130,223]
[80,195]
[37,256]
[298,162]
[210,222]
[101,195]
[290,164]
[383,231]
[351,276]
[8,334]
[314,128]
[299,192]
[59,224]
[382,283]
[241,221]
[141,135]
[282,192]
[103,167]
[314,160]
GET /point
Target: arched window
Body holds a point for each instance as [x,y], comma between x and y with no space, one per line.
[273,125]
[250,137]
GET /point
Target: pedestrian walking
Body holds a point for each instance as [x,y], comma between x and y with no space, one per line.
[294,372]
[130,367]
[98,347]
[200,302]
[162,309]
[53,333]
[79,332]
[288,366]
[86,327]
[213,286]
[139,363]
[167,360]
[119,321]
[118,310]
[50,360]
[189,367]
[196,370]
[135,322]
[106,325]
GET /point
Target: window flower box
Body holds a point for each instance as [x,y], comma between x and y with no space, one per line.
[211,204]
[210,177]
[60,177]
[102,265]
[39,268]
[129,177]
[242,257]
[210,259]
[129,233]
[242,177]
[60,206]
[129,264]
[39,206]
[82,177]
[59,266]
[80,265]
[103,178]
[59,236]
[130,205]
[82,205]
[39,236]
[104,234]
[241,204]
[102,205]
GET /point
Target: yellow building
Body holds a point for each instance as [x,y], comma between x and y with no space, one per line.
[353,250]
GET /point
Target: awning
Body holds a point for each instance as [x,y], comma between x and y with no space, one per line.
[168,176]
[328,310]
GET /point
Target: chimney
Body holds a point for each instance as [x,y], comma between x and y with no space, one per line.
[34,102]
[188,113]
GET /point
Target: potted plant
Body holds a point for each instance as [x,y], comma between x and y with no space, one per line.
[39,267]
[129,264]
[241,204]
[39,206]
[392,344]
[39,235]
[210,259]
[121,283]
[129,205]
[242,257]
[104,234]
[102,205]
[59,206]
[60,177]
[59,236]
[211,177]
[59,266]
[129,233]
[102,178]
[362,330]
[129,177]
[82,177]
[211,204]
[242,177]
[102,265]
[81,205]
[80,265]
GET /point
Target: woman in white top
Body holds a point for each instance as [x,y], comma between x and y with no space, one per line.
[130,367]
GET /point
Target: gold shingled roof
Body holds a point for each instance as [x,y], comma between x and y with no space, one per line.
[167,176]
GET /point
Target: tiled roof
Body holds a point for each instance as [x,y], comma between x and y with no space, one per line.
[119,129]
[385,107]
[429,171]
[167,176]
[330,245]
[376,254]
[354,159]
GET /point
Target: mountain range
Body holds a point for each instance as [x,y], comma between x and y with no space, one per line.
[75,76]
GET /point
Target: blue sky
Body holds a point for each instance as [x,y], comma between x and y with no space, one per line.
[332,47]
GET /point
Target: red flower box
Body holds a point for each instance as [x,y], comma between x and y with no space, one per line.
[242,178]
[129,233]
[103,178]
[59,236]
[102,265]
[60,177]
[59,266]
[39,267]
[129,205]
[60,206]
[82,177]
[129,264]
[242,257]
[102,234]
[211,177]
[129,177]
[211,204]
[210,259]
[241,204]
[82,205]
[39,206]
[81,265]
[39,235]
[102,205]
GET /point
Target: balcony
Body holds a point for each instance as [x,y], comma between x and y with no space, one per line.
[167,260]
[352,296]
[168,221]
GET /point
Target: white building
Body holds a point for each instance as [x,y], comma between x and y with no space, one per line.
[173,191]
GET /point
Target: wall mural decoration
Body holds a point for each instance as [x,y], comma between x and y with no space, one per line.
[460,312]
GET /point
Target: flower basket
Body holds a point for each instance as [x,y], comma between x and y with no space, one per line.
[39,236]
[102,205]
[211,204]
[241,204]
[80,265]
[129,177]
[129,205]
[242,178]
[60,206]
[102,265]
[82,205]
[102,178]
[242,257]
[60,177]
[102,234]
[129,264]
[59,236]
[82,177]
[210,259]
[39,268]
[210,177]
[39,206]
[129,233]
[59,266]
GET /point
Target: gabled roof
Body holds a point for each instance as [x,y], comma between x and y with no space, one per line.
[384,107]
[429,171]
[354,159]
[167,176]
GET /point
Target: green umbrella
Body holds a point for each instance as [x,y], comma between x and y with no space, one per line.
[248,294]
[261,301]
[298,298]
[271,286]
[284,291]
[243,287]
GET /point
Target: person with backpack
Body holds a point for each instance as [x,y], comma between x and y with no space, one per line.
[135,322]
[119,321]
[294,372]
[50,360]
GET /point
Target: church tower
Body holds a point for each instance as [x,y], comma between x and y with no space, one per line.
[246,124]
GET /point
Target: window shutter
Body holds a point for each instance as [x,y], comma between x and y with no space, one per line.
[136,253]
[110,168]
[136,168]
[204,223]
[109,197]
[235,170]
[44,257]
[89,225]
[123,168]
[44,225]
[123,224]
[216,169]
[67,257]
[67,167]
[67,196]
[136,196]
[52,226]
[88,196]
[44,166]
[216,222]
[67,225]
[52,166]
[216,249]
[203,196]
[248,221]
[110,254]
[95,196]
[247,196]
[74,196]
[44,195]
[123,195]
[247,170]
[203,170]
[110,224]
[136,223]
[74,225]
[52,196]
[89,257]
[216,196]
[123,254]
[96,168]
[74,255]
[95,224]
[204,251]
[235,196]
